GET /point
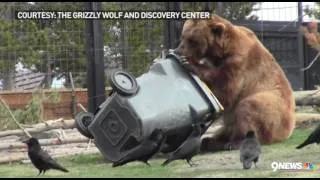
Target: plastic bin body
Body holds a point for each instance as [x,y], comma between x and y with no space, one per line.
[166,94]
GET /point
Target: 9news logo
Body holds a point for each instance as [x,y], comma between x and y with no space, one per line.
[294,166]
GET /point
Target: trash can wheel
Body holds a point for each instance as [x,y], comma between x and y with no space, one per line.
[82,121]
[124,83]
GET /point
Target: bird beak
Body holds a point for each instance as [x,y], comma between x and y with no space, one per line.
[25,142]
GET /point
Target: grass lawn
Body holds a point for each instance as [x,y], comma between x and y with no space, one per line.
[222,164]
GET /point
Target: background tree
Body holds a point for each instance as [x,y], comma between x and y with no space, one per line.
[230,10]
[313,11]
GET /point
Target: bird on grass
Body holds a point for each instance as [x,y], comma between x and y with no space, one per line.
[189,148]
[192,145]
[40,158]
[249,150]
[314,137]
[145,150]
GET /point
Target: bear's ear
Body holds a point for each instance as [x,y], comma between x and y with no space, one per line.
[218,29]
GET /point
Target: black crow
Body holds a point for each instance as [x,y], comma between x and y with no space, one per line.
[40,158]
[249,150]
[314,137]
[189,148]
[145,150]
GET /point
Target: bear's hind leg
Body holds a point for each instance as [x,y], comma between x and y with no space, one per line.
[267,115]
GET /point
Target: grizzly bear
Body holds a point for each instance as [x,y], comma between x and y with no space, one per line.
[244,76]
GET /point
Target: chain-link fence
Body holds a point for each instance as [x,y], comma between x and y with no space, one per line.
[40,53]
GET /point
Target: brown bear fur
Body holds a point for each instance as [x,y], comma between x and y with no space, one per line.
[244,76]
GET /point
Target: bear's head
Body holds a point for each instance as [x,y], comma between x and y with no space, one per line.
[213,39]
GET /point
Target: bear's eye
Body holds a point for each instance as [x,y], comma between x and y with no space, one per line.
[217,31]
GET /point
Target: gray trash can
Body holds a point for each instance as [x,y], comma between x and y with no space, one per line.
[163,97]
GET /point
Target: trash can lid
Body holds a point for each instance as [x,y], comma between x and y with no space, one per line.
[202,86]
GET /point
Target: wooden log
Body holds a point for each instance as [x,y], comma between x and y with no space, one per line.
[304,98]
[305,93]
[215,129]
[218,126]
[307,109]
[53,120]
[45,142]
[64,124]
[301,117]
